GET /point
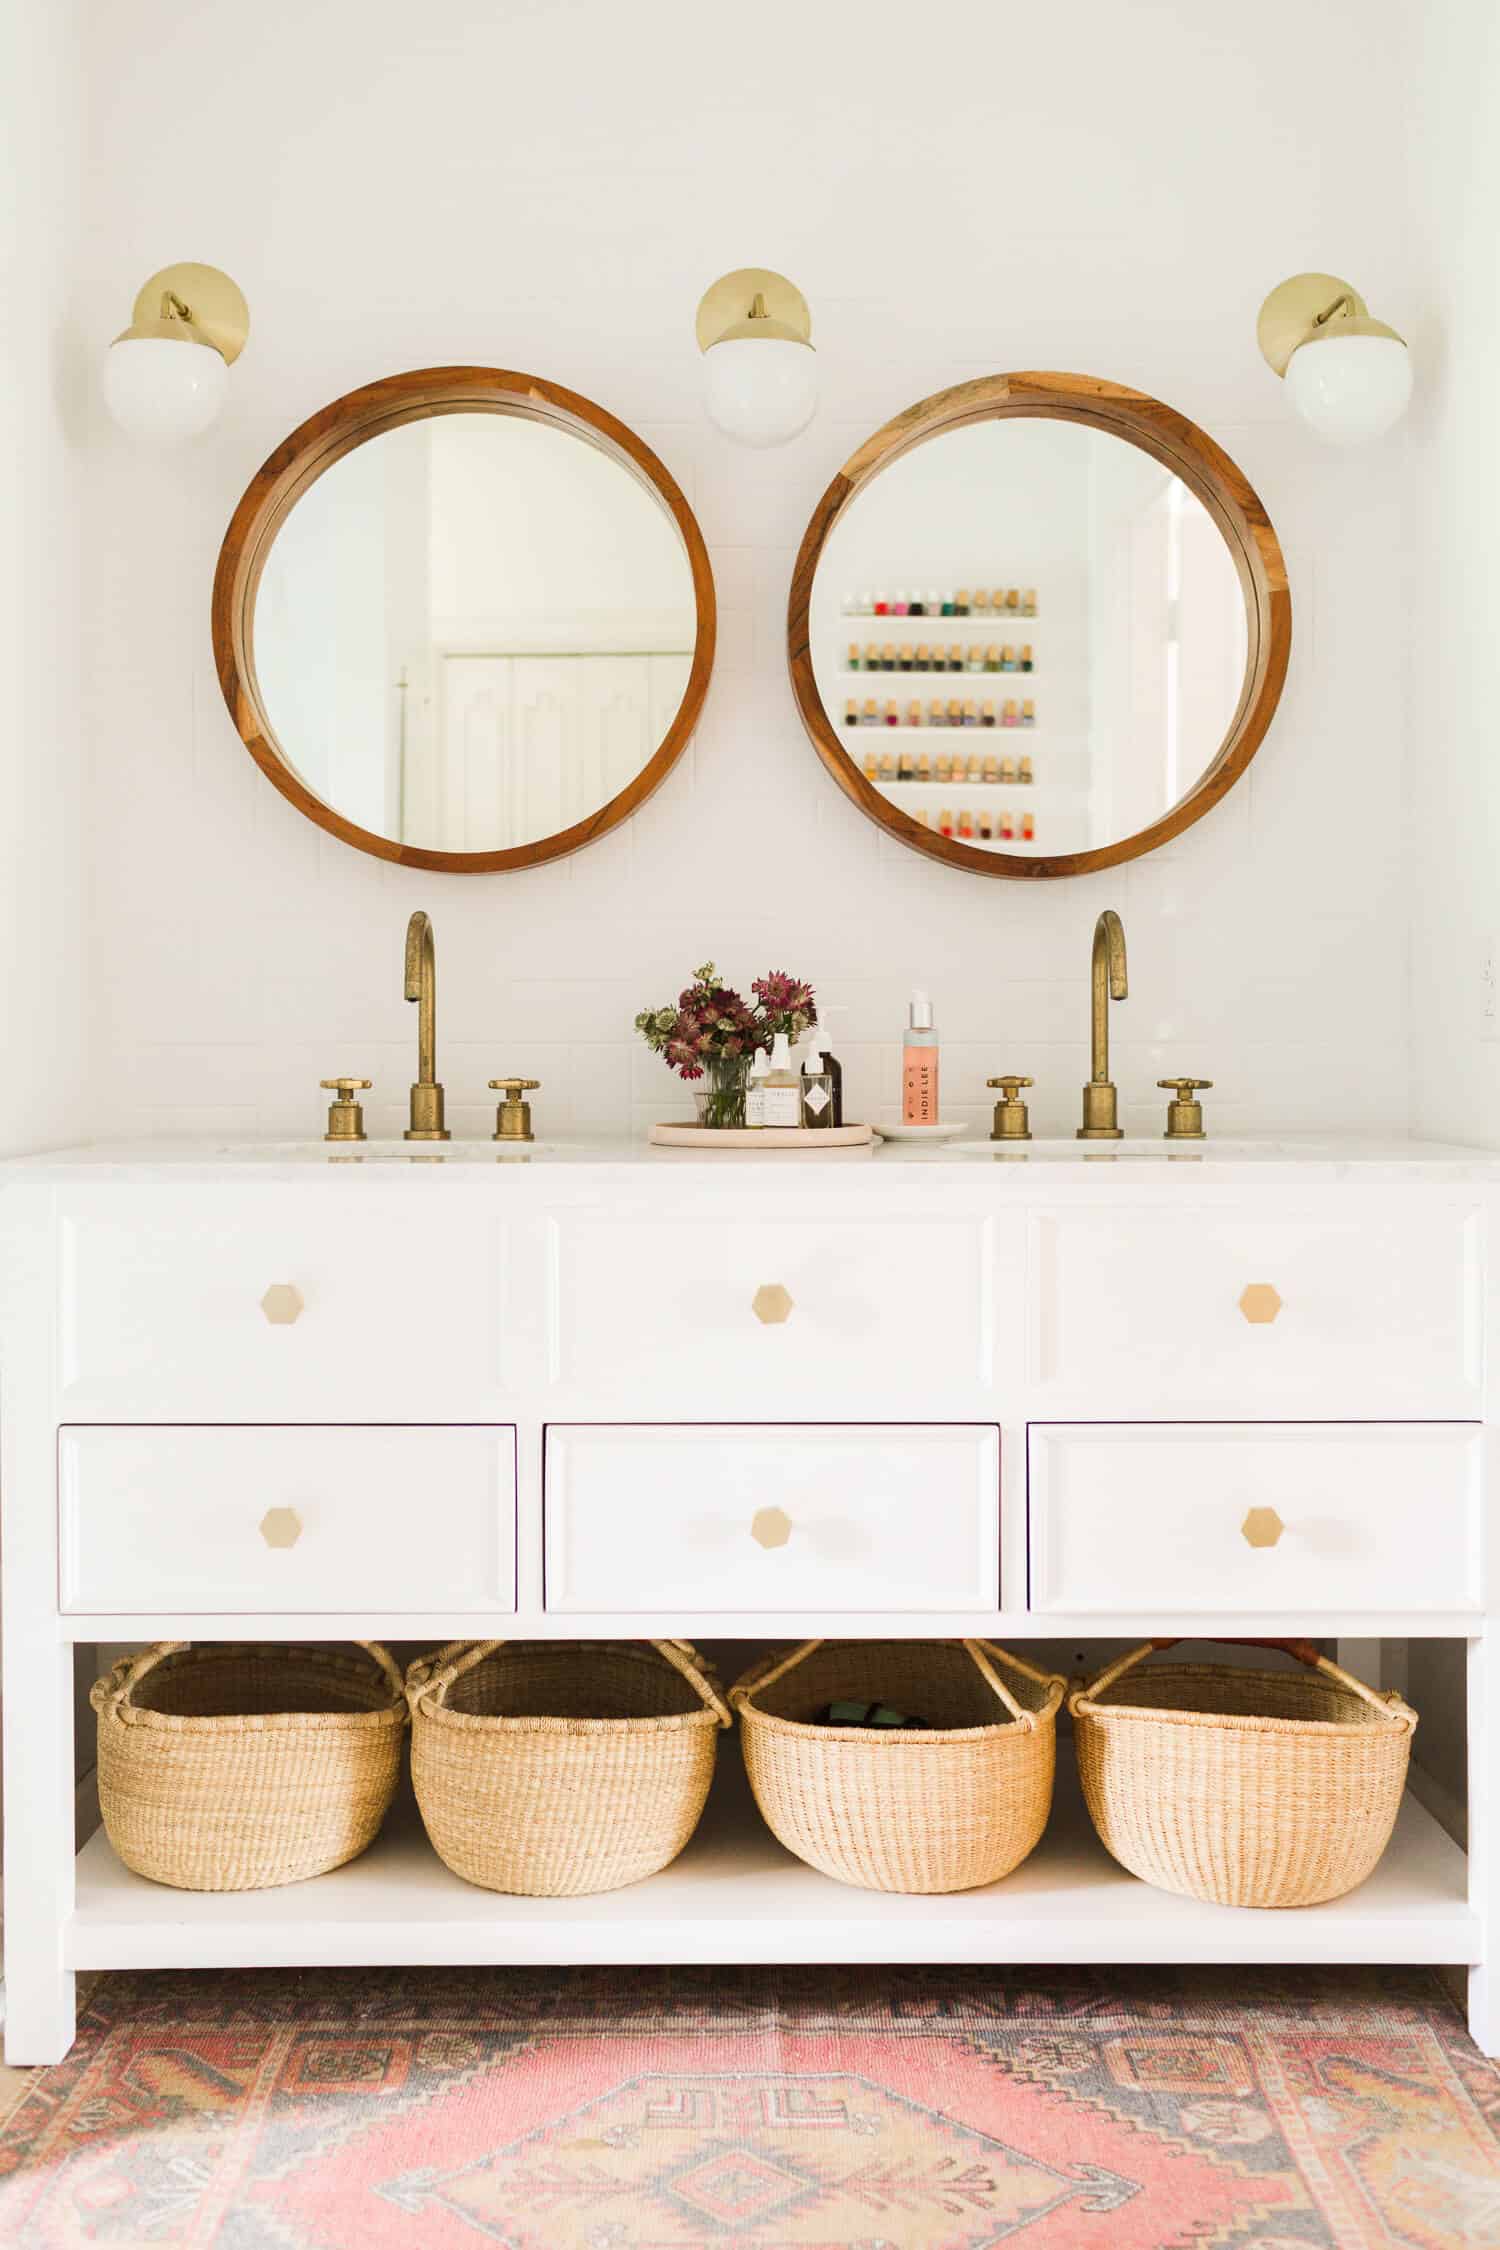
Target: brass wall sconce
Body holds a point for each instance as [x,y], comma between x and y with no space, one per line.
[1346,373]
[166,376]
[759,370]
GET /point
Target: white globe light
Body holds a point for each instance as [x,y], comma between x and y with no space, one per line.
[1350,388]
[761,390]
[161,389]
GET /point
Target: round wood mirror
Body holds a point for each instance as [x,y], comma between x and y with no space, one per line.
[464,619]
[1038,625]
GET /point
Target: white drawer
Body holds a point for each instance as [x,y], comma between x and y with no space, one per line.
[772,1305]
[165,1307]
[732,1519]
[1229,1518]
[228,1520]
[1344,1313]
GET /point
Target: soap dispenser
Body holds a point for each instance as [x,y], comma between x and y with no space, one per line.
[817,1093]
[783,1091]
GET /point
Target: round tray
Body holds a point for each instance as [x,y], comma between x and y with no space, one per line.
[763,1136]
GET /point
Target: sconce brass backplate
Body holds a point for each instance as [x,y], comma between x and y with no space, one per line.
[1308,306]
[217,305]
[725,308]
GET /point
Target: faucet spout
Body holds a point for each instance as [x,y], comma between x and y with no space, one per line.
[1107,981]
[421,986]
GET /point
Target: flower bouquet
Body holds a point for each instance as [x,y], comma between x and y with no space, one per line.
[712,1034]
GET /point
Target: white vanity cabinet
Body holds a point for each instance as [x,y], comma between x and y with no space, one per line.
[1059,1397]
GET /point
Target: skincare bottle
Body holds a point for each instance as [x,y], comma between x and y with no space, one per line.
[755,1093]
[783,1093]
[919,1062]
[817,1093]
[831,1063]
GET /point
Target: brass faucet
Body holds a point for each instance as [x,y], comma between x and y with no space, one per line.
[421,986]
[1107,982]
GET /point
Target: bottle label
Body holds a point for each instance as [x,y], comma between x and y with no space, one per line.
[816,1098]
[919,1087]
[755,1106]
[783,1105]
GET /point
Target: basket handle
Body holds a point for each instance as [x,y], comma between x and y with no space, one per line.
[434,1675]
[980,1652]
[1390,1706]
[127,1673]
[772,1668]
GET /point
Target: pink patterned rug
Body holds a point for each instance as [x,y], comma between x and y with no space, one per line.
[886,2109]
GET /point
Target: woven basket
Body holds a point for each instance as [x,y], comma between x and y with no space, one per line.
[1247,1788]
[224,1767]
[942,1808]
[551,1768]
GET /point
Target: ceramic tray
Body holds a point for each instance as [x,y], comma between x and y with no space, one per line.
[763,1136]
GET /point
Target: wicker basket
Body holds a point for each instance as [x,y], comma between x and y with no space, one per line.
[1247,1788]
[947,1807]
[551,1768]
[224,1767]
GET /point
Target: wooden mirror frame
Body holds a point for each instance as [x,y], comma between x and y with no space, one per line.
[326,437]
[1181,447]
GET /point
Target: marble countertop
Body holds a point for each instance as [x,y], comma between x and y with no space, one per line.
[1226,1160]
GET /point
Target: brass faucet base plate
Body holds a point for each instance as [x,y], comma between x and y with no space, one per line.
[1099,1133]
[445,1135]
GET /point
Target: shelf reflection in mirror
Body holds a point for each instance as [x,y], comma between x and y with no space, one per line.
[1033,632]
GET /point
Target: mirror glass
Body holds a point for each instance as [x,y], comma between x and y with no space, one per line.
[1029,635]
[473,631]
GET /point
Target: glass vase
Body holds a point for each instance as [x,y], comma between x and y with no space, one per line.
[721,1096]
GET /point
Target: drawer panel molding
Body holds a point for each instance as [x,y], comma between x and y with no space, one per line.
[720,1519]
[1236,1518]
[315,1518]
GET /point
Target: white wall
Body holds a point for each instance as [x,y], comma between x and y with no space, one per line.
[550,186]
[1454,575]
[43,858]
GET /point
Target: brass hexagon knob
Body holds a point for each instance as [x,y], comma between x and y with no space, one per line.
[772,1304]
[1262,1527]
[770,1527]
[1260,1302]
[282,1303]
[281,1527]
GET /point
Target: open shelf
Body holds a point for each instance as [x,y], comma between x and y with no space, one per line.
[736,1896]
